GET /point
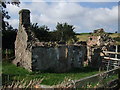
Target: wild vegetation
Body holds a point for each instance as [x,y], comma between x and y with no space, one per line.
[5,14]
[63,33]
[21,78]
[8,32]
[19,73]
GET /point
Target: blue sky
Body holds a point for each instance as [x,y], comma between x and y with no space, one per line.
[85,16]
[99,4]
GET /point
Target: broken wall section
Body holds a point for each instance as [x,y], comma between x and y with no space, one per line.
[22,53]
[23,43]
[58,59]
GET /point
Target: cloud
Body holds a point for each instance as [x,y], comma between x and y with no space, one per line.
[69,0]
[85,19]
[14,22]
[13,10]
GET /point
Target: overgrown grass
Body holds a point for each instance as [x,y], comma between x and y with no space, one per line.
[49,78]
[110,78]
[104,82]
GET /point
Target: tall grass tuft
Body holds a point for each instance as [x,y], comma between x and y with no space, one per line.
[35,83]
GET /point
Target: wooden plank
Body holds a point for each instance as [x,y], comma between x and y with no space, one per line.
[116,59]
[111,52]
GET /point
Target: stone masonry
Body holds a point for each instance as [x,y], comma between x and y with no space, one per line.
[22,53]
[33,57]
[58,59]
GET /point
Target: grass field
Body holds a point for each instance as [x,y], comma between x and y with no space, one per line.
[18,74]
[84,37]
[116,37]
[113,35]
[49,78]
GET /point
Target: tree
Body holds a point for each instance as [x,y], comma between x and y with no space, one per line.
[42,32]
[3,5]
[8,33]
[65,32]
[8,39]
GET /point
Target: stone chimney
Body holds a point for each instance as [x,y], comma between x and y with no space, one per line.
[24,18]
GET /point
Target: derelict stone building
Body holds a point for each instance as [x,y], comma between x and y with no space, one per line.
[34,56]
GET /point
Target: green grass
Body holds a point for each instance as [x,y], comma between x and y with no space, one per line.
[113,35]
[19,73]
[49,78]
[0,67]
[110,78]
[104,81]
[84,37]
[116,37]
[11,69]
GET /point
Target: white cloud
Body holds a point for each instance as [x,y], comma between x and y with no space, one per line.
[69,0]
[13,10]
[83,18]
[14,22]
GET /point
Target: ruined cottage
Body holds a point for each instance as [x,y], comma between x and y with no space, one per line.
[34,56]
[98,42]
[100,38]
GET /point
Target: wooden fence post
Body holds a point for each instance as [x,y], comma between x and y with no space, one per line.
[6,54]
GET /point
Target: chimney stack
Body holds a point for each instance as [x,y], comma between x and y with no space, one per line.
[24,18]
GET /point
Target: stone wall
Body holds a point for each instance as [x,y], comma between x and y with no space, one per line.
[22,53]
[94,41]
[94,56]
[58,59]
[34,55]
[22,43]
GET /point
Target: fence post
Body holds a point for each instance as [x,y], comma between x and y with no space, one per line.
[6,54]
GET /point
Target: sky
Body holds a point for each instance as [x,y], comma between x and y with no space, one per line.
[84,16]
